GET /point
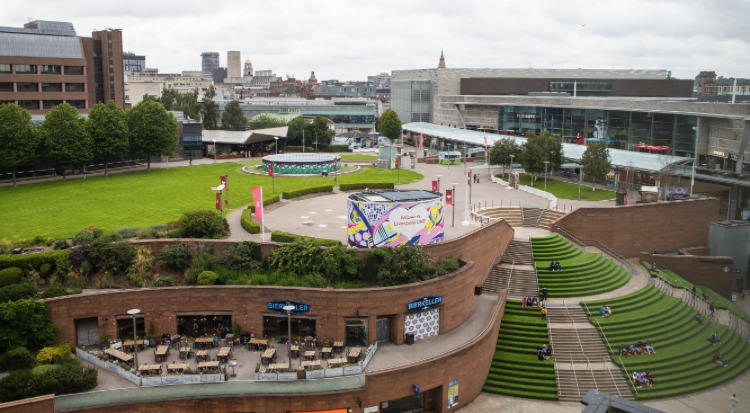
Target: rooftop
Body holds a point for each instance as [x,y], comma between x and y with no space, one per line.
[243,137]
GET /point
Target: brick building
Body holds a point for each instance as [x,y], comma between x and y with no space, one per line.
[45,63]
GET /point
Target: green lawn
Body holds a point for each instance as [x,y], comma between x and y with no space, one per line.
[60,209]
[567,190]
[359,157]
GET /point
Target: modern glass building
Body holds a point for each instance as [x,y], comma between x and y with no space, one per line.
[411,100]
[675,131]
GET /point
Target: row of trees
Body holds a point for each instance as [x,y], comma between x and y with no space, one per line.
[545,147]
[207,110]
[65,138]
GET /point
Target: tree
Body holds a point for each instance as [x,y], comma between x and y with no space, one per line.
[389,125]
[233,118]
[540,148]
[264,121]
[26,323]
[188,104]
[168,98]
[501,151]
[210,110]
[319,130]
[109,132]
[596,161]
[153,130]
[66,140]
[18,138]
[294,133]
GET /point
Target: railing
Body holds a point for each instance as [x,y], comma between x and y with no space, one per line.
[505,248]
[615,256]
[538,192]
[606,363]
[510,275]
[575,376]
[627,377]
[557,376]
[542,214]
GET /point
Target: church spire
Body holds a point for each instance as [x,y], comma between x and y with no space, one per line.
[441,65]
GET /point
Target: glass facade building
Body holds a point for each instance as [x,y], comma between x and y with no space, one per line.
[411,100]
[677,132]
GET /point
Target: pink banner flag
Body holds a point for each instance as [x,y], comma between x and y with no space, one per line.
[258,199]
[420,141]
[485,144]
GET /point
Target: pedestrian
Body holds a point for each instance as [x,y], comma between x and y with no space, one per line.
[734,402]
[191,160]
[693,292]
[711,306]
[544,313]
[544,293]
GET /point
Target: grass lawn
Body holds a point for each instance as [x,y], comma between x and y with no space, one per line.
[359,157]
[60,209]
[567,190]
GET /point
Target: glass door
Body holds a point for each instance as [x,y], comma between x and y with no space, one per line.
[383,329]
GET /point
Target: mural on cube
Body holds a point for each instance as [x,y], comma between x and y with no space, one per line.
[378,224]
[302,164]
[422,325]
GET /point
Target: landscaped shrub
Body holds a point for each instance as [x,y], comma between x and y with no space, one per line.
[48,354]
[364,185]
[10,276]
[299,257]
[339,263]
[56,292]
[128,232]
[334,148]
[447,266]
[280,236]
[77,254]
[15,292]
[18,358]
[203,224]
[83,237]
[207,278]
[304,191]
[174,257]
[23,384]
[134,279]
[299,149]
[61,244]
[404,265]
[247,222]
[34,261]
[241,256]
[46,270]
[26,323]
[266,202]
[163,282]
[108,256]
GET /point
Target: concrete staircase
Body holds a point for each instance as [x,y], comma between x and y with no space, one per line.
[549,216]
[510,215]
[530,216]
[522,281]
[565,315]
[518,252]
[574,384]
[579,344]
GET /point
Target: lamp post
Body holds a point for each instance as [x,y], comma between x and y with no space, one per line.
[277,144]
[289,308]
[545,175]
[438,177]
[133,313]
[214,151]
[580,178]
[453,203]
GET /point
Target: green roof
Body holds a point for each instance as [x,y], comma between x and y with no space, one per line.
[281,117]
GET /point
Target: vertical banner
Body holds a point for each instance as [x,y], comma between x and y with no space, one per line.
[258,199]
[218,201]
[468,178]
[270,169]
[448,197]
[420,141]
[434,186]
[453,393]
[224,181]
[397,163]
[485,146]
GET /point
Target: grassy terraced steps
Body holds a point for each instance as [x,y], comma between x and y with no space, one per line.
[515,370]
[583,274]
[683,360]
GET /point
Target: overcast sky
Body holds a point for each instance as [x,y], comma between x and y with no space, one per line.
[348,40]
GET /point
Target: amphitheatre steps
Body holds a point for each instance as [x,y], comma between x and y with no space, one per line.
[529,218]
[577,344]
[567,315]
[518,252]
[522,281]
[574,384]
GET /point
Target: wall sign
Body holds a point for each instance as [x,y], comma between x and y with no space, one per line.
[425,303]
[278,306]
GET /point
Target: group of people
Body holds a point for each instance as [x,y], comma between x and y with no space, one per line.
[605,311]
[555,266]
[531,302]
[643,380]
[637,349]
[544,352]
[714,339]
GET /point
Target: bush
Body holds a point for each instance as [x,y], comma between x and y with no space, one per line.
[83,237]
[244,255]
[374,259]
[299,258]
[304,191]
[10,276]
[26,323]
[174,233]
[334,148]
[48,354]
[447,266]
[404,265]
[61,244]
[207,278]
[128,232]
[371,185]
[247,222]
[77,254]
[339,263]
[108,256]
[298,149]
[34,261]
[18,358]
[203,224]
[46,270]
[266,202]
[175,256]
[163,281]
[15,292]
[55,292]
[23,384]
[280,236]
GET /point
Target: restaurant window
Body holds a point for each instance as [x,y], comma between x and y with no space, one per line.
[6,86]
[5,68]
[204,324]
[125,326]
[29,104]
[275,327]
[51,69]
[49,104]
[74,87]
[23,69]
[356,331]
[27,87]
[73,70]
[51,87]
[78,104]
[412,403]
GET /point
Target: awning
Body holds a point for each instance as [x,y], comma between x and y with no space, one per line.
[228,137]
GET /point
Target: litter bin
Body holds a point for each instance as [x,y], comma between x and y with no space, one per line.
[410,338]
[621,197]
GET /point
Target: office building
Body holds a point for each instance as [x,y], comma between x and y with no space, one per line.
[209,62]
[354,90]
[134,64]
[234,65]
[45,63]
[383,77]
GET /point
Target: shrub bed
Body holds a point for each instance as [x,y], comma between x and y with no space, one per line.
[298,149]
[31,260]
[65,379]
[248,223]
[334,148]
[372,185]
[16,292]
[266,202]
[305,191]
[10,276]
[280,236]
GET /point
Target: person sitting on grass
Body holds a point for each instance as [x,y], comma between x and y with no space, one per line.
[603,310]
[632,350]
[535,303]
[718,359]
[558,267]
[544,350]
[523,302]
[653,268]
[622,350]
[649,348]
[699,319]
[635,377]
[551,266]
[714,339]
[539,354]
[548,354]
[607,312]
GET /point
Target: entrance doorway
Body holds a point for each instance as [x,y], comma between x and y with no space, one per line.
[275,327]
[87,331]
[356,331]
[383,330]
[204,323]
[125,327]
[408,404]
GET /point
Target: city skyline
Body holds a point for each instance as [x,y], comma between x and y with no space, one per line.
[349,44]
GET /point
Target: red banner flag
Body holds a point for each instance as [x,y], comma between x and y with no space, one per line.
[448,197]
[397,163]
[334,164]
[258,199]
[420,141]
[468,178]
[434,186]
[224,181]
[485,144]
[218,201]
[270,169]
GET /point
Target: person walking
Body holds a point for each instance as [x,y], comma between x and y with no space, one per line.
[693,292]
[544,294]
[191,160]
[711,306]
[734,402]
[544,313]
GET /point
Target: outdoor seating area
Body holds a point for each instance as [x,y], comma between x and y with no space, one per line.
[583,273]
[516,370]
[682,362]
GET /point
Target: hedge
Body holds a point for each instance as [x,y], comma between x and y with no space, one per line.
[33,260]
[248,223]
[279,236]
[298,149]
[373,185]
[17,292]
[266,202]
[305,191]
[334,148]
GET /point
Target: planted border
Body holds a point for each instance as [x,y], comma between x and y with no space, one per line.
[280,236]
[305,191]
[248,223]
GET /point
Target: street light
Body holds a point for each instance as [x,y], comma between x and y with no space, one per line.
[133,313]
[289,308]
[580,178]
[277,144]
[545,175]
[453,202]
[214,151]
[438,177]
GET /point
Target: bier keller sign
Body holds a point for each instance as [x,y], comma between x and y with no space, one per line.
[425,303]
[279,305]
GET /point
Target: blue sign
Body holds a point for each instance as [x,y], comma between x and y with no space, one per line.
[279,305]
[425,303]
